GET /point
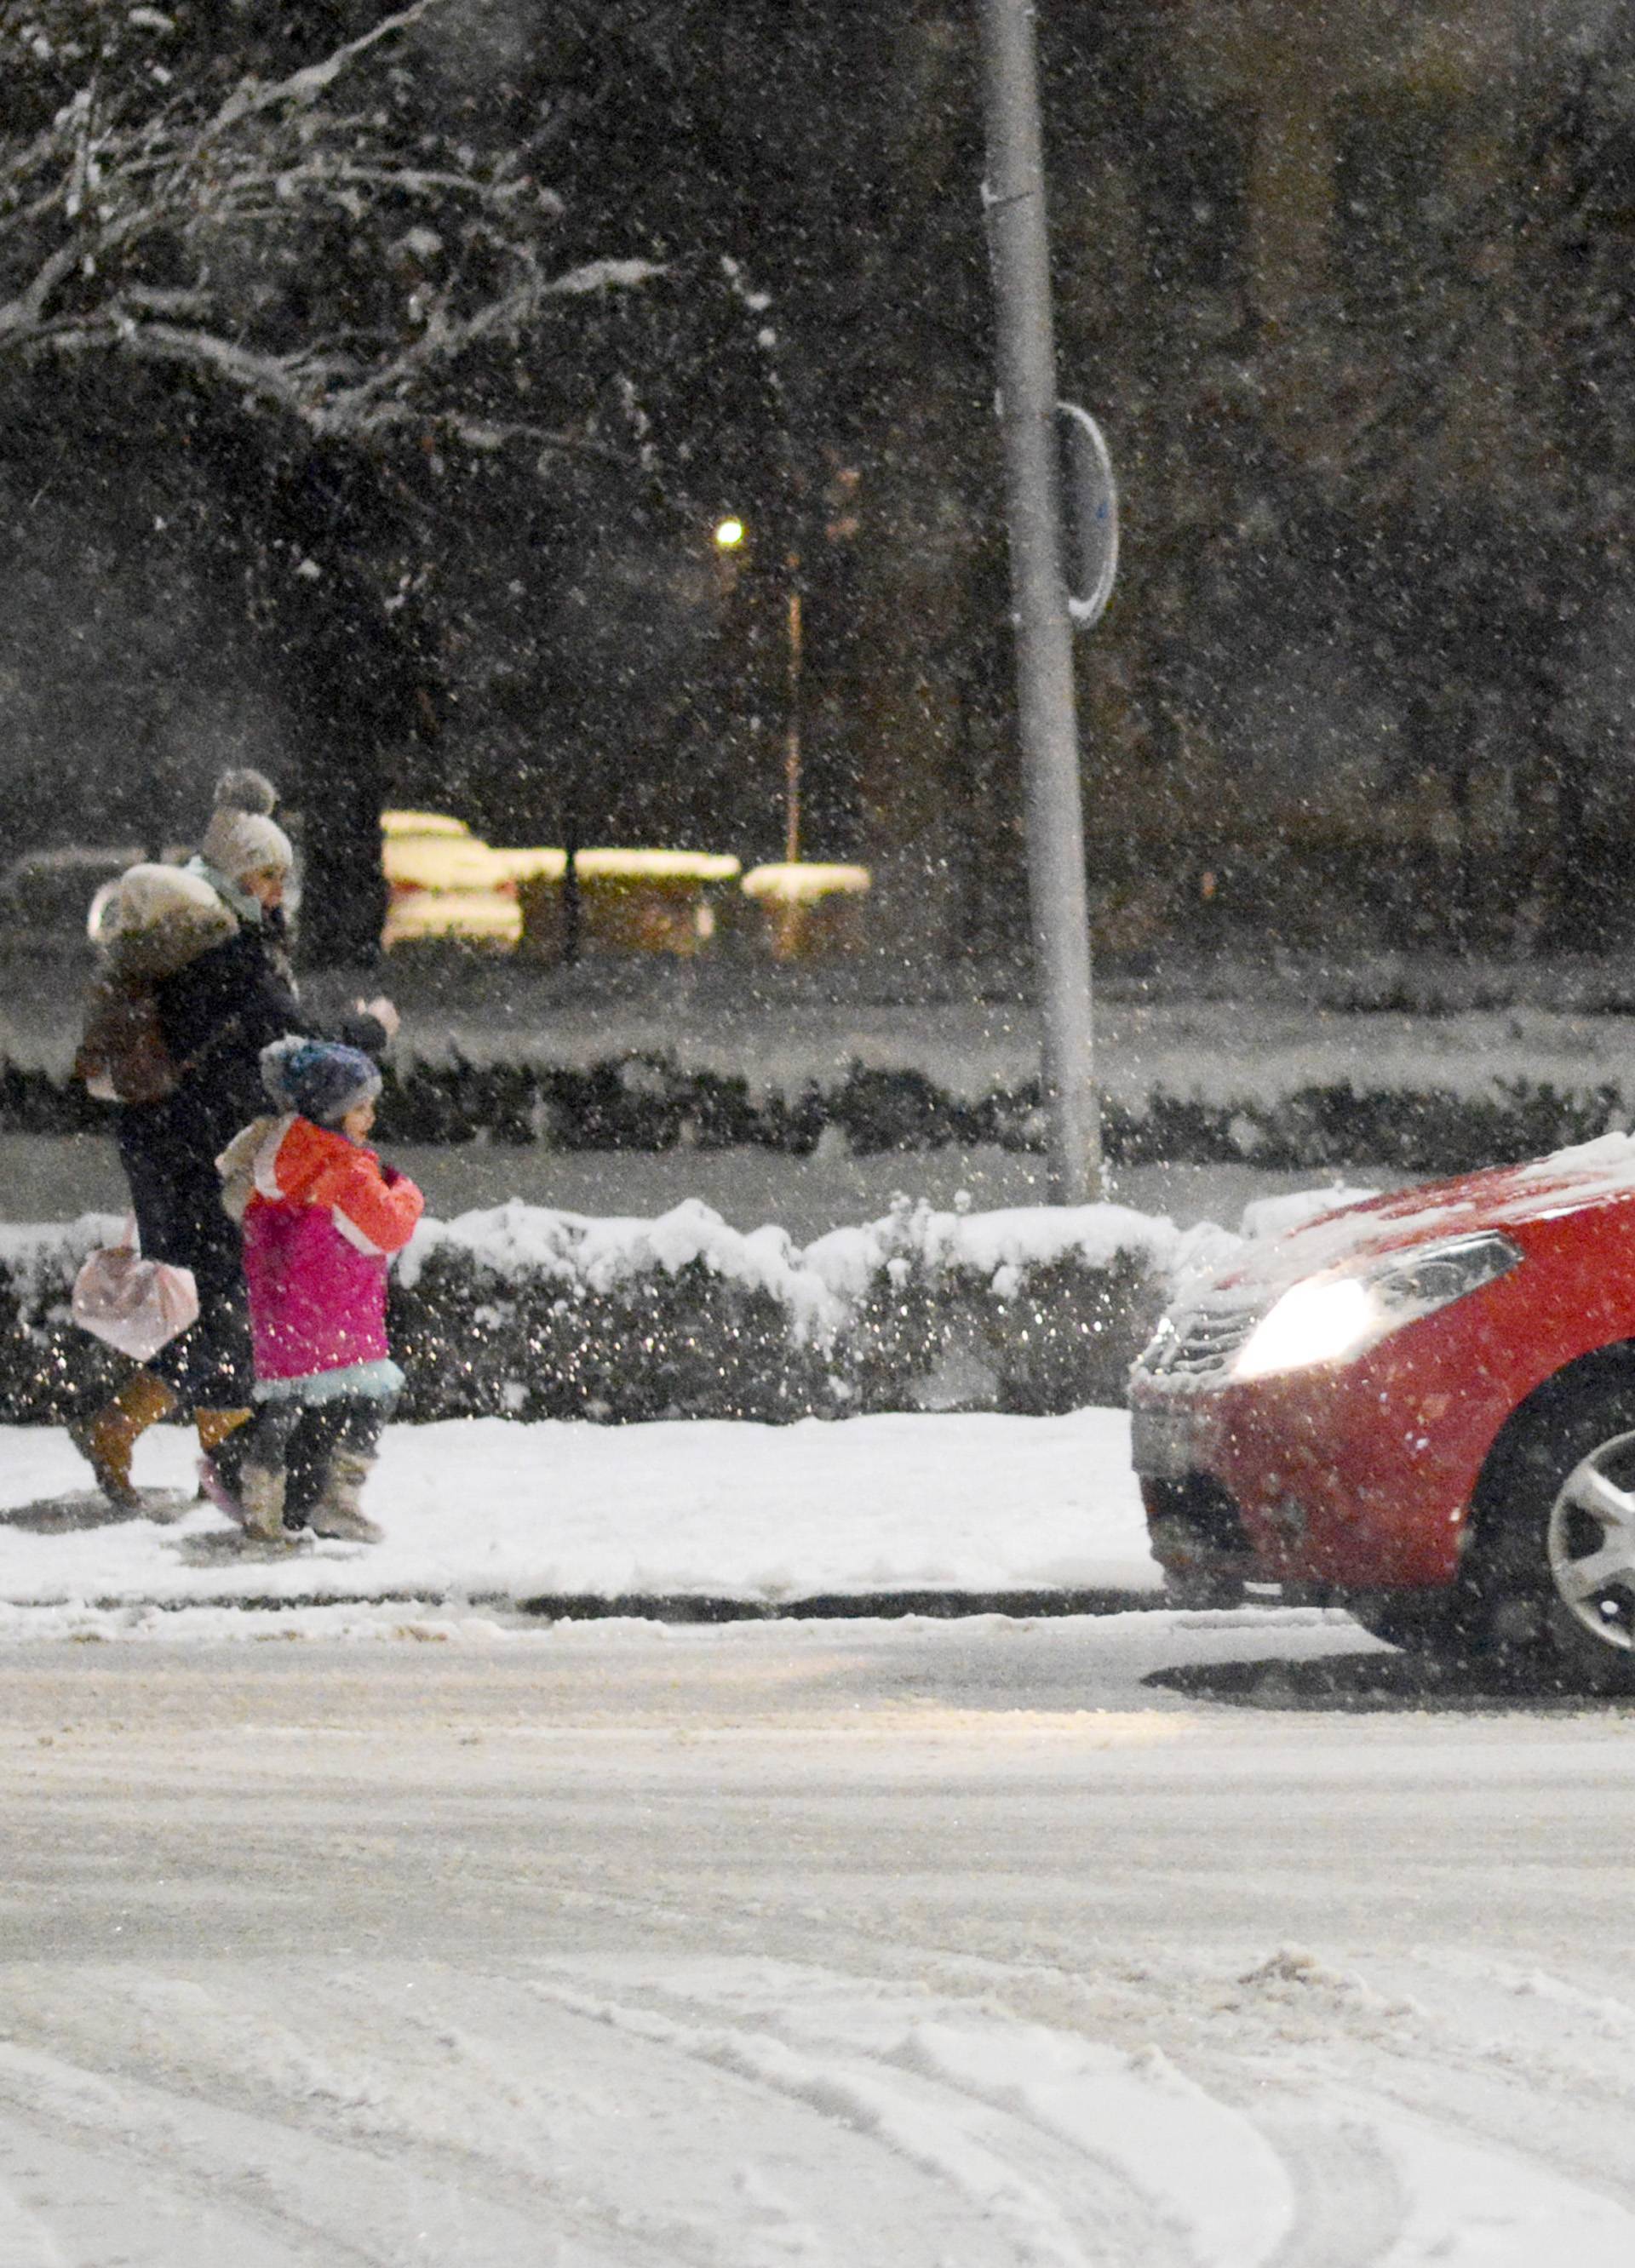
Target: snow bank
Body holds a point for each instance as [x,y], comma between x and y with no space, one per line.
[488,1512]
[531,1312]
[527,1312]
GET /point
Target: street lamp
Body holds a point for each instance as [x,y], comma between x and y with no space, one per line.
[730,534]
[1035,432]
[791,731]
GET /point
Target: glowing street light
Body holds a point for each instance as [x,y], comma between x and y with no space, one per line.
[729,536]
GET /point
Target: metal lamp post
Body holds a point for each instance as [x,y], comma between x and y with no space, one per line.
[1044,611]
[729,536]
[794,623]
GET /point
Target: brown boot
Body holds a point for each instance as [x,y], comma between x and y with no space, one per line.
[214,1425]
[339,1511]
[106,1438]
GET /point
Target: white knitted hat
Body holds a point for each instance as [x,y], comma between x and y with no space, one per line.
[241,838]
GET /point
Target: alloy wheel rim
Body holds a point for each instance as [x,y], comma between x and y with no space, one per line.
[1591,1543]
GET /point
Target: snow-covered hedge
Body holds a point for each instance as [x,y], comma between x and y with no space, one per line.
[46,1367]
[528,1313]
[642,1101]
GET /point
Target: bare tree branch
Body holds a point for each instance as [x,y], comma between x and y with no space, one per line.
[244,235]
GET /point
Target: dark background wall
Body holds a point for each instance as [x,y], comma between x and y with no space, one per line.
[1349,288]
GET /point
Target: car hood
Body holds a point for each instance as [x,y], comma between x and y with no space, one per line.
[1593,1173]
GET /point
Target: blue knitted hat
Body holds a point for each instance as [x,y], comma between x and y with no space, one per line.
[319,1078]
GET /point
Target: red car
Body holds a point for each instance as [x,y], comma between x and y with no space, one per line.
[1422,1408]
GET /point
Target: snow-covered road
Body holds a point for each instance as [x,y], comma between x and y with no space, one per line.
[1208,1941]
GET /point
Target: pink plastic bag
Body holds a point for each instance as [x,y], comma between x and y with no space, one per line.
[135,1305]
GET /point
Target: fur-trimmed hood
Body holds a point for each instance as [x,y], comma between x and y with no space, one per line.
[164,918]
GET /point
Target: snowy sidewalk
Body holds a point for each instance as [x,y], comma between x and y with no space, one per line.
[483,1511]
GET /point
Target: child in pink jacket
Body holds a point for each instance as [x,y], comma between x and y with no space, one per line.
[321,1218]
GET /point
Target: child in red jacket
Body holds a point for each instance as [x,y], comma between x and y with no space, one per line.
[321,1218]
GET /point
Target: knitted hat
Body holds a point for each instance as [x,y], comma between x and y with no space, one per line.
[319,1078]
[241,838]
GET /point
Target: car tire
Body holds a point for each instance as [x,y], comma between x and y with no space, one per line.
[1550,1573]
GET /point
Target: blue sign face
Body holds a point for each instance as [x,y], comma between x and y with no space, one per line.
[1089,514]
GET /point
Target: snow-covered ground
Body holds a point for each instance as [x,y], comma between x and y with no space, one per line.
[1144,1942]
[495,1513]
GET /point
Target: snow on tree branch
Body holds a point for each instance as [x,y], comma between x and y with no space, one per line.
[330,262]
[306,86]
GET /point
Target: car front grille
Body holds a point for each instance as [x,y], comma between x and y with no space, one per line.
[1199,1345]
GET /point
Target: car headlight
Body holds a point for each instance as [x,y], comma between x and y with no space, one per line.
[1330,1318]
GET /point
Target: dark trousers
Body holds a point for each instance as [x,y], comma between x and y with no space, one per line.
[301,1438]
[176,1196]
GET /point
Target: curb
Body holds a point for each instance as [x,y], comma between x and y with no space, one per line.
[679,1608]
[844,1605]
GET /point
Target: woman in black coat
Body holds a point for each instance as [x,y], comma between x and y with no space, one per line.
[211,941]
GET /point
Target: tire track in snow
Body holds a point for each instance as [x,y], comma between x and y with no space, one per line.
[772,2230]
[215,2109]
[1293,2023]
[1346,2201]
[1350,2207]
[78,2126]
[479,2059]
[351,2094]
[1276,2035]
[940,2126]
[1461,2132]
[1135,2115]
[1421,2044]
[1299,2163]
[1372,2113]
[1299,2229]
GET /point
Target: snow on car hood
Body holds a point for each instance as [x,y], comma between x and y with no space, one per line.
[1590,1174]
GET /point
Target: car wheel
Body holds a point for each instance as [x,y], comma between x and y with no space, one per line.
[1552,1558]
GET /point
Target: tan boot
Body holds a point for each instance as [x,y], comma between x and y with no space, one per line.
[339,1511]
[214,1425]
[261,1499]
[106,1438]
